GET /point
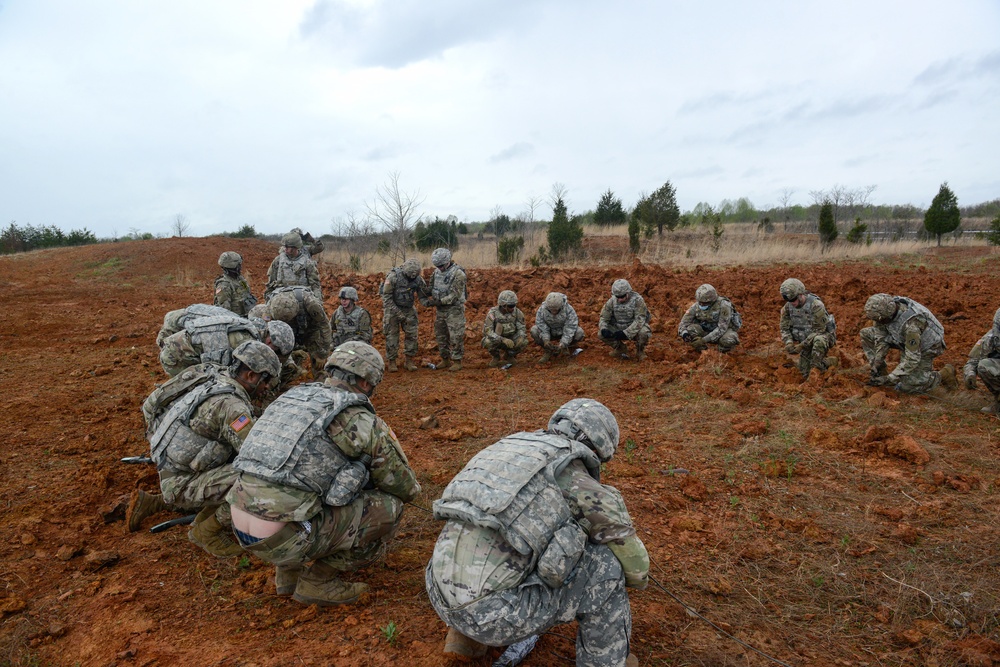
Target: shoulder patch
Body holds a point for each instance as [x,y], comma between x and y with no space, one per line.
[218,289]
[240,423]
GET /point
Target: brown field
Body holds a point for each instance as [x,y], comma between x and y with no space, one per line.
[824,523]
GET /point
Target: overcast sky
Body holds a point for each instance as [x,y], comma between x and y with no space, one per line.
[117,115]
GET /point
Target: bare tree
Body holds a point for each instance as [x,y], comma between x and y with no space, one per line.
[396,211]
[360,239]
[559,191]
[180,225]
[528,217]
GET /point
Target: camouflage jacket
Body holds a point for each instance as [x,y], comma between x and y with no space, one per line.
[560,326]
[629,317]
[234,294]
[802,324]
[398,291]
[715,321]
[504,325]
[988,347]
[356,325]
[180,351]
[287,272]
[448,287]
[311,319]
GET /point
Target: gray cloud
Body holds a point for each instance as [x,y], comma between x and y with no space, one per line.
[520,149]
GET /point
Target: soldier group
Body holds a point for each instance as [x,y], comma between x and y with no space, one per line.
[316,484]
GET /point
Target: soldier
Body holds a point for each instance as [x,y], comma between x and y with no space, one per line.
[292,268]
[232,291]
[625,317]
[807,329]
[300,309]
[905,325]
[322,479]
[448,293]
[547,545]
[402,286]
[984,361]
[504,331]
[556,326]
[195,424]
[710,320]
[350,321]
[175,320]
[211,340]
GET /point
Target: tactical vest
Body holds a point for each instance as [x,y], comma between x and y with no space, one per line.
[211,334]
[932,339]
[556,322]
[241,290]
[801,320]
[402,288]
[289,444]
[991,346]
[510,487]
[708,320]
[173,445]
[624,313]
[290,272]
[301,325]
[347,324]
[504,325]
[175,320]
[441,284]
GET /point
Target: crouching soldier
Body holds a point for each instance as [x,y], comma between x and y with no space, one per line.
[984,363]
[504,331]
[807,329]
[625,317]
[710,320]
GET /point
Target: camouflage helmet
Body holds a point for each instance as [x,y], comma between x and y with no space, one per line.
[620,287]
[291,240]
[792,289]
[281,335]
[230,260]
[996,320]
[554,302]
[441,257]
[260,312]
[359,359]
[284,306]
[590,422]
[507,298]
[880,307]
[258,357]
[706,294]
[348,293]
[411,268]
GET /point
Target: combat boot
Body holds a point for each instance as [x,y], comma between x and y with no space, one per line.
[948,378]
[463,648]
[618,351]
[640,352]
[993,408]
[495,362]
[409,365]
[321,585]
[142,505]
[286,578]
[445,363]
[392,366]
[208,533]
[456,365]
[546,357]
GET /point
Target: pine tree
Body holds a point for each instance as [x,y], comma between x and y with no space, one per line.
[609,210]
[943,216]
[564,235]
[827,226]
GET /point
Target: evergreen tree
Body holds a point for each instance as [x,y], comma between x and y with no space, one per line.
[564,235]
[943,216]
[827,226]
[662,210]
[609,210]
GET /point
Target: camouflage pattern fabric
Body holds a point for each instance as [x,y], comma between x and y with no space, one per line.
[984,361]
[561,328]
[234,294]
[918,335]
[501,327]
[632,317]
[288,272]
[312,332]
[399,293]
[174,320]
[448,295]
[355,325]
[179,352]
[711,326]
[807,326]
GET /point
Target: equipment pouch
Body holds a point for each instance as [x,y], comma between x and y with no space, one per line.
[561,555]
[347,484]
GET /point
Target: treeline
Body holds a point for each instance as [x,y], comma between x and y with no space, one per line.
[21,238]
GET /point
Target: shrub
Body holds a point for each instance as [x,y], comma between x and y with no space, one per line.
[509,249]
[827,226]
[858,232]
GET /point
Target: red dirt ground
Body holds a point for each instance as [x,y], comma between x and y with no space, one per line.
[824,523]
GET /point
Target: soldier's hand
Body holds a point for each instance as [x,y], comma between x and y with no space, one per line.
[970,380]
[508,343]
[879,380]
[561,346]
[793,348]
[620,335]
[607,333]
[687,336]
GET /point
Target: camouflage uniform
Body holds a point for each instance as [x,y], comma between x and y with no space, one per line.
[919,337]
[286,271]
[984,362]
[399,292]
[206,340]
[355,325]
[562,547]
[625,320]
[713,325]
[504,333]
[807,328]
[448,296]
[346,526]
[560,328]
[234,294]
[309,322]
[175,320]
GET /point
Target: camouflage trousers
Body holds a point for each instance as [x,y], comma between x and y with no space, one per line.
[536,336]
[911,377]
[641,339]
[498,349]
[726,342]
[449,331]
[192,491]
[988,371]
[392,322]
[813,355]
[595,596]
[345,538]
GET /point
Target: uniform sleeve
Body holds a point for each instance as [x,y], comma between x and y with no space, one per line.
[686,320]
[909,356]
[224,295]
[817,325]
[543,327]
[785,324]
[365,326]
[725,316]
[456,292]
[607,314]
[521,329]
[312,278]
[975,356]
[569,329]
[272,277]
[489,327]
[641,317]
[314,307]
[224,418]
[358,431]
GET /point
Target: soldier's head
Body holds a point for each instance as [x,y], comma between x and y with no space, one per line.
[791,290]
[348,297]
[358,364]
[280,338]
[621,290]
[590,422]
[292,243]
[254,365]
[411,268]
[507,301]
[441,258]
[231,262]
[284,306]
[706,296]
[554,302]
[260,312]
[880,308]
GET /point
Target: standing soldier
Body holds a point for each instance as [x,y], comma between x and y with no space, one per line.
[533,539]
[905,325]
[232,291]
[291,268]
[402,286]
[448,294]
[556,326]
[807,329]
[984,361]
[350,321]
[196,422]
[322,479]
[504,332]
[710,320]
[625,317]
[300,309]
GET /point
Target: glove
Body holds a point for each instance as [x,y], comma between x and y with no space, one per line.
[793,348]
[308,238]
[561,346]
[508,343]
[687,336]
[879,381]
[970,380]
[620,335]
[607,333]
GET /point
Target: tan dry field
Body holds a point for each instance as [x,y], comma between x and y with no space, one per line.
[824,523]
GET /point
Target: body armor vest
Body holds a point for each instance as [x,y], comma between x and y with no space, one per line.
[211,334]
[511,487]
[241,289]
[441,284]
[504,325]
[801,320]
[624,313]
[173,445]
[290,272]
[991,346]
[403,288]
[289,444]
[933,336]
[347,324]
[709,319]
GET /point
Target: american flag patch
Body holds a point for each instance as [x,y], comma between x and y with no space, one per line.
[240,422]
